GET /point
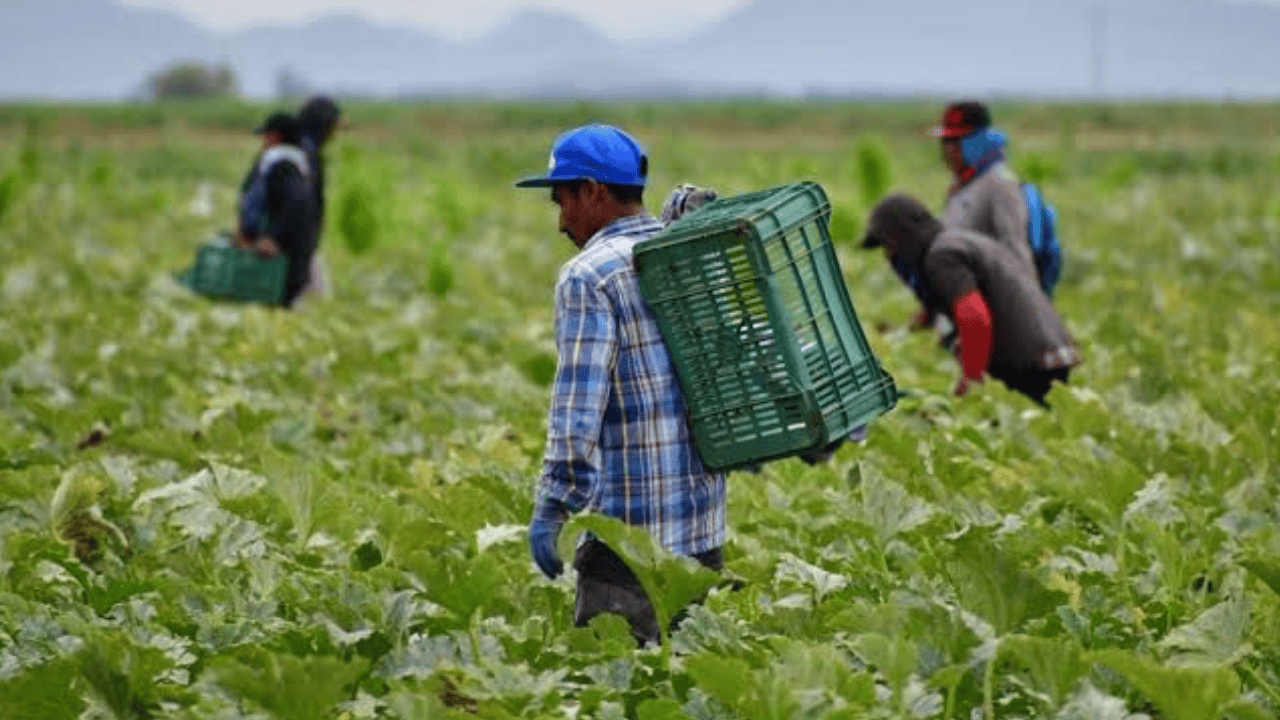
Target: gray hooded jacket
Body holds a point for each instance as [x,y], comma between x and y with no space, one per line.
[992,204]
[1027,333]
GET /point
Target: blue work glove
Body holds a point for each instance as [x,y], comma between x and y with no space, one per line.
[544,530]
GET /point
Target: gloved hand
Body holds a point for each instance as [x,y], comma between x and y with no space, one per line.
[684,199]
[544,530]
[965,385]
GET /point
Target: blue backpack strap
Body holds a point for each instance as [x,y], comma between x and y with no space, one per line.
[253,205]
[1041,220]
[1035,233]
[917,284]
[1052,269]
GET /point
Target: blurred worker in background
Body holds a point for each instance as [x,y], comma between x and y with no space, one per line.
[277,206]
[318,118]
[1007,327]
[985,197]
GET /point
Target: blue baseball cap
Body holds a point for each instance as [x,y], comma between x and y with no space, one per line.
[602,153]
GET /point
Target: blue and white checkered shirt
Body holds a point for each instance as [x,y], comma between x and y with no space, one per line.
[618,439]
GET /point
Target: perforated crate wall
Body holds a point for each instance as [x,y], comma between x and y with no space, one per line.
[754,310]
[238,274]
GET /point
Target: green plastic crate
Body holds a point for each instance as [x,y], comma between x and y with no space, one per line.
[756,315]
[237,274]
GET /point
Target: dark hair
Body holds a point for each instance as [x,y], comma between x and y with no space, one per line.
[318,117]
[284,124]
[627,193]
[620,193]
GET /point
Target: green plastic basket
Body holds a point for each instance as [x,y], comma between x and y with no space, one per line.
[756,315]
[237,274]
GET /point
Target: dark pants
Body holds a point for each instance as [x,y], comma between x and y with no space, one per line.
[1035,384]
[606,584]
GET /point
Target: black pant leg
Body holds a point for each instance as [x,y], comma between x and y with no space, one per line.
[606,584]
[1034,383]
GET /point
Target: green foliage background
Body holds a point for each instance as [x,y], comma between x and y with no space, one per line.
[320,514]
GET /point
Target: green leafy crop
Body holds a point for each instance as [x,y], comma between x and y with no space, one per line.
[221,511]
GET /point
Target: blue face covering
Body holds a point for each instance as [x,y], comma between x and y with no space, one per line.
[983,148]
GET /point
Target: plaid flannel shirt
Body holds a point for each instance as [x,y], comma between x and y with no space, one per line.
[618,439]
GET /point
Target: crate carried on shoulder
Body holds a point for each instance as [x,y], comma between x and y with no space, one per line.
[756,315]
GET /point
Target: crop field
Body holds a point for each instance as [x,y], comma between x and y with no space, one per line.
[212,510]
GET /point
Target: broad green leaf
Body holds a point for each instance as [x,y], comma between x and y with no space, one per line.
[605,634]
[728,680]
[895,657]
[997,587]
[802,680]
[660,709]
[1266,570]
[420,657]
[126,679]
[889,509]
[462,584]
[1156,502]
[42,693]
[1179,693]
[515,688]
[1245,710]
[1054,666]
[1217,637]
[793,569]
[287,686]
[1091,704]
[418,706]
[948,678]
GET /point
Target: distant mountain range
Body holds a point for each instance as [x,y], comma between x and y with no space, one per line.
[1190,48]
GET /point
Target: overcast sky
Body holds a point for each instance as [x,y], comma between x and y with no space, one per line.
[617,18]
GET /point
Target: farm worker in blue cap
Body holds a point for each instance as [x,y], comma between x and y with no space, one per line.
[618,441]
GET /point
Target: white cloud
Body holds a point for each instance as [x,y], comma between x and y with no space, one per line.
[621,20]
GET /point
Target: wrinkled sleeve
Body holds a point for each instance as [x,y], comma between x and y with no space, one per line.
[286,195]
[973,319]
[913,280]
[950,274]
[252,203]
[586,340]
[291,224]
[1009,218]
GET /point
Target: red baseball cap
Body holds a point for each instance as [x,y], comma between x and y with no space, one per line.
[962,118]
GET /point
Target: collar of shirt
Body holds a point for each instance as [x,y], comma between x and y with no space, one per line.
[968,174]
[629,225]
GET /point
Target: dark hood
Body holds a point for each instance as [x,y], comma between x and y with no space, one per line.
[318,117]
[904,222]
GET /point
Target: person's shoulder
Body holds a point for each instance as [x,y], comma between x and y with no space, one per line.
[960,245]
[957,239]
[610,252]
[1003,176]
[594,265]
[285,156]
[577,269]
